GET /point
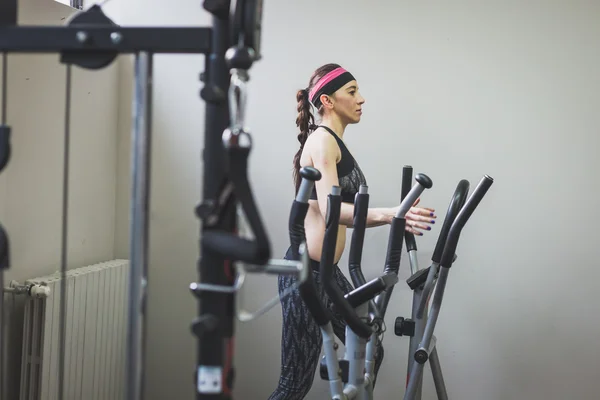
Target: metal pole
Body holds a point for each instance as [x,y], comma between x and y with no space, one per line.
[138,273]
[438,376]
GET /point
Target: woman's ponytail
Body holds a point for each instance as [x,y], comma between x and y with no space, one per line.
[305,121]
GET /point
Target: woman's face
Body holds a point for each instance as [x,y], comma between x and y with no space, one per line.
[347,103]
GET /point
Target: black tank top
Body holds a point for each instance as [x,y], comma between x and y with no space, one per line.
[350,176]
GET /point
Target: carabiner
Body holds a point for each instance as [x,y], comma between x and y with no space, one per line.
[237,99]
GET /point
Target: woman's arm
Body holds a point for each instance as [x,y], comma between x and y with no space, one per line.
[324,153]
[375,216]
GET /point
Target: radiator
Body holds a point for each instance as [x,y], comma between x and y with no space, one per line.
[95,335]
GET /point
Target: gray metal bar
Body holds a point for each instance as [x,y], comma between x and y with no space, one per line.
[409,200]
[355,354]
[438,377]
[336,386]
[414,262]
[370,361]
[435,309]
[140,205]
[429,283]
[422,353]
[416,339]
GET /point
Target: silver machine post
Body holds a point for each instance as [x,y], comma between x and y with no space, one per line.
[139,218]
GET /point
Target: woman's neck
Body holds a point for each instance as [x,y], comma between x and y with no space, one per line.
[335,124]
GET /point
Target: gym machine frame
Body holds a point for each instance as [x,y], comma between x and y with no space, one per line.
[346,377]
[433,279]
[353,376]
[421,283]
[231,44]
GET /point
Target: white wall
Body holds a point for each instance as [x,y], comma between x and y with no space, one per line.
[457,90]
[31,184]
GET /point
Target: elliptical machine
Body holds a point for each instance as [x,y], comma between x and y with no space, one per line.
[364,308]
[352,377]
[424,282]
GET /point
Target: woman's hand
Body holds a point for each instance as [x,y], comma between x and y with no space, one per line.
[418,219]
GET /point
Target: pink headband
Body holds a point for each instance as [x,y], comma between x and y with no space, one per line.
[325,80]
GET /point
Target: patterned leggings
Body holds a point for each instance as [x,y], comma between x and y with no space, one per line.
[301,339]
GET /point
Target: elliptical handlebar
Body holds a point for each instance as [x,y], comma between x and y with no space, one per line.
[386,282]
[361,208]
[456,203]
[332,220]
[461,219]
[424,182]
[396,237]
[307,289]
[398,225]
[409,237]
[300,208]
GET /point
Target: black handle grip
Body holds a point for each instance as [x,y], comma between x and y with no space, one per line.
[4,145]
[307,289]
[409,237]
[300,208]
[392,261]
[296,227]
[227,244]
[394,248]
[424,180]
[457,202]
[371,289]
[311,174]
[396,238]
[334,202]
[361,208]
[406,181]
[462,218]
[4,250]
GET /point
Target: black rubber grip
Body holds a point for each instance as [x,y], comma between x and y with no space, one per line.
[456,203]
[334,292]
[411,243]
[235,248]
[296,227]
[409,237]
[4,250]
[361,208]
[309,294]
[227,244]
[406,181]
[418,278]
[4,145]
[308,290]
[462,218]
[310,173]
[424,180]
[392,261]
[371,289]
[394,249]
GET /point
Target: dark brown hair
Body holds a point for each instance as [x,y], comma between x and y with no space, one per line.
[305,119]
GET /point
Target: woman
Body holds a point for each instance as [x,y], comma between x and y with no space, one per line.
[334,93]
